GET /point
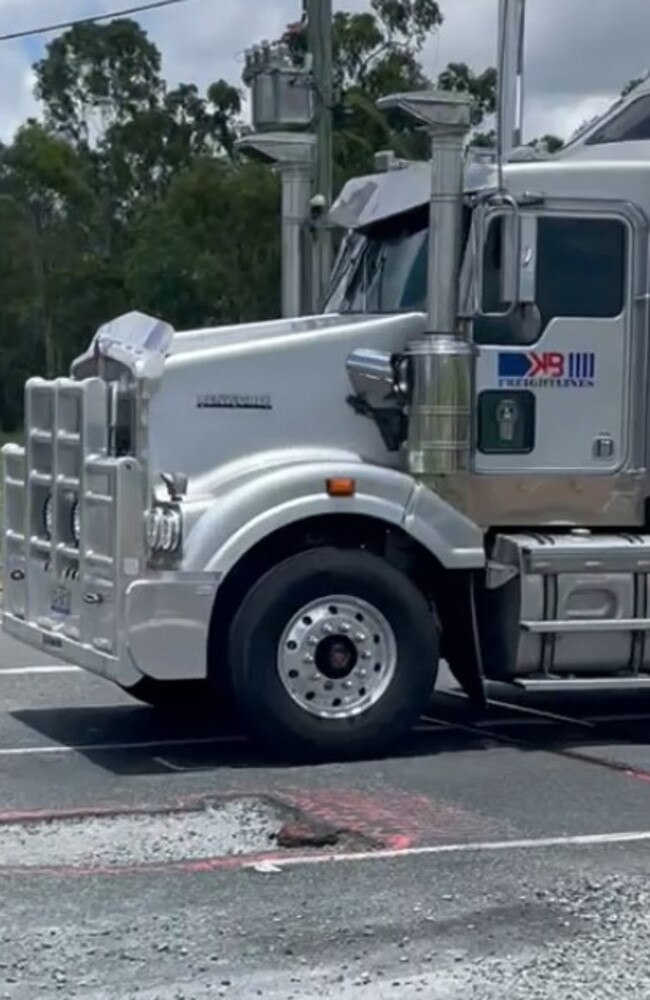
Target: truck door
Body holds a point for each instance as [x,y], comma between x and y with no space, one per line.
[552,391]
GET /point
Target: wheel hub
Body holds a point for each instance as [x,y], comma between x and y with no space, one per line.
[337,657]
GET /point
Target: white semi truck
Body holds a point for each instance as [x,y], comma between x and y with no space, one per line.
[451,461]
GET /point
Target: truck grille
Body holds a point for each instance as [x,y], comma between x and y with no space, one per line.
[52,580]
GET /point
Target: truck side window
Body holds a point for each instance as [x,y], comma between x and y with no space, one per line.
[581,272]
[581,265]
[631,125]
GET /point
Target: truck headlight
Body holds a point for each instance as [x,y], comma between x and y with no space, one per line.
[154,527]
[171,531]
[164,529]
[75,522]
[48,516]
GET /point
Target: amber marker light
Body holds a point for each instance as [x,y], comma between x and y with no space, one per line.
[341,487]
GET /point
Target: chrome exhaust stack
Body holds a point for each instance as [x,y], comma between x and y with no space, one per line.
[439,367]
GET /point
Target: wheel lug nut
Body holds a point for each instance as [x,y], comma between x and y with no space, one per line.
[327,628]
[313,640]
[308,658]
[344,627]
[366,654]
[362,672]
[360,637]
[347,685]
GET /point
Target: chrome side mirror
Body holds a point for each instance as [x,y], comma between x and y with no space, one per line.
[498,232]
[512,278]
[176,484]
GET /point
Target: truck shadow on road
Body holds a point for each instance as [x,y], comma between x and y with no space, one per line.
[128,739]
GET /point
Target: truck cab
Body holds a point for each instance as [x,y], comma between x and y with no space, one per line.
[306,515]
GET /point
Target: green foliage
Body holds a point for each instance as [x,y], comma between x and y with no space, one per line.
[376,53]
[106,72]
[482,88]
[412,20]
[208,252]
[81,191]
[632,85]
[550,143]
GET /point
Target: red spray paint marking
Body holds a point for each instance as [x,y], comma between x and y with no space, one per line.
[185,804]
[391,818]
[194,866]
[639,775]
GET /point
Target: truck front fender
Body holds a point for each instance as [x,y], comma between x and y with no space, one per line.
[239,517]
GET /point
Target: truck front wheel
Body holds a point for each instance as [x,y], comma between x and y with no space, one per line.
[333,652]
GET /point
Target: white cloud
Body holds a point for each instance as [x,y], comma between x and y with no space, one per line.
[580,52]
[16,93]
[566,118]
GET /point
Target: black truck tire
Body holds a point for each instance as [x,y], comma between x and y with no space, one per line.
[334,653]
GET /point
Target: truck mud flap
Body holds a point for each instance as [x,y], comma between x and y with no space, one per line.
[460,635]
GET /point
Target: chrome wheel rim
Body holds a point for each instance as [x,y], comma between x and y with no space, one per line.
[337,657]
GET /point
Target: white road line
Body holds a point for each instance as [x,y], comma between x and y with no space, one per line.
[497,846]
[172,767]
[194,768]
[89,747]
[46,669]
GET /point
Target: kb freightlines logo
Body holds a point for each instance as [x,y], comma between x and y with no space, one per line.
[547,370]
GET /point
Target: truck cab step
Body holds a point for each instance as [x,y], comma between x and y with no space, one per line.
[557,684]
[573,625]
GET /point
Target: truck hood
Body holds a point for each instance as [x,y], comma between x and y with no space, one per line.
[142,344]
[267,392]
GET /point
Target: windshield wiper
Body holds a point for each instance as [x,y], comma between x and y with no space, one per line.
[377,274]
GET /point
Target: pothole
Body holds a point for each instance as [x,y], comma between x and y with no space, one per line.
[225,829]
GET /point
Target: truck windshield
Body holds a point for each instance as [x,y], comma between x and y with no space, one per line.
[384,270]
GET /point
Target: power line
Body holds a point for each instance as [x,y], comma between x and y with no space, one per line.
[47,28]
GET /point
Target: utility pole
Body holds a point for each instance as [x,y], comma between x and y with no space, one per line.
[319,25]
[282,112]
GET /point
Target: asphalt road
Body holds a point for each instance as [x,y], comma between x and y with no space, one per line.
[498,858]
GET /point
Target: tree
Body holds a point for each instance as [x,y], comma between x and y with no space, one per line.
[375,54]
[102,90]
[98,75]
[48,195]
[633,84]
[208,252]
[482,88]
[143,154]
[549,143]
[378,53]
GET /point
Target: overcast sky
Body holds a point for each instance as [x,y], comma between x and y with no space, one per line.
[580,52]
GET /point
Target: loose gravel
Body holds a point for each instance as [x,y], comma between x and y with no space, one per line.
[244,826]
[576,937]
